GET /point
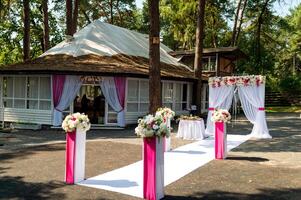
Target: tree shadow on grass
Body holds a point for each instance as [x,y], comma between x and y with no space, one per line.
[27,152]
[16,188]
[251,159]
[263,194]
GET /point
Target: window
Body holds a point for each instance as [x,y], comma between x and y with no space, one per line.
[137,96]
[167,94]
[209,63]
[27,92]
[175,95]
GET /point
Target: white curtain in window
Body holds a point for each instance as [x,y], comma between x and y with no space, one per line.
[45,88]
[109,91]
[70,90]
[252,99]
[33,83]
[219,97]
[9,87]
[20,87]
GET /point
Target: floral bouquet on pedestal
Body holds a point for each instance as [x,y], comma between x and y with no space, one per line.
[166,113]
[153,129]
[152,126]
[76,121]
[221,115]
[76,125]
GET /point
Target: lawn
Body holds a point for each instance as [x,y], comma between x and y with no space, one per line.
[284,109]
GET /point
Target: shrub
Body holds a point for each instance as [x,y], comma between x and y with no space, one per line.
[290,84]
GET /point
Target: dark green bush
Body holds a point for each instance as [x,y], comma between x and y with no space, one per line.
[290,84]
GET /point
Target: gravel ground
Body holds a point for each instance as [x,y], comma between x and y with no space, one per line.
[257,169]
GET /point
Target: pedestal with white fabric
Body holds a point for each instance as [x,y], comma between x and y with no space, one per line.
[75,156]
[167,140]
[153,168]
[220,140]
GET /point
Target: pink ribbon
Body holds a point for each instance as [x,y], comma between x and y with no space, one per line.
[219,140]
[211,109]
[70,157]
[261,109]
[149,168]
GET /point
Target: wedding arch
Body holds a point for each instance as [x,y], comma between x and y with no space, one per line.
[251,92]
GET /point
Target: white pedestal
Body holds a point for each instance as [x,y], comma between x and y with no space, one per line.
[80,156]
[159,168]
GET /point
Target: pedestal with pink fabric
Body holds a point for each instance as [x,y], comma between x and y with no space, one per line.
[153,168]
[220,140]
[75,156]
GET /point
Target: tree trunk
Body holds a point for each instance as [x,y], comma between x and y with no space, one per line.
[240,22]
[75,16]
[46,44]
[258,33]
[235,23]
[86,16]
[199,54]
[26,39]
[111,12]
[154,58]
[69,17]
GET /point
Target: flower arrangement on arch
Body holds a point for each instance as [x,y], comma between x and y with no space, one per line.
[166,113]
[221,115]
[155,125]
[237,80]
[76,121]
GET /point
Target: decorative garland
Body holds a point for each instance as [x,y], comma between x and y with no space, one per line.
[237,80]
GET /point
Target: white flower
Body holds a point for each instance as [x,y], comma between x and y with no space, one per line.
[76,121]
[155,127]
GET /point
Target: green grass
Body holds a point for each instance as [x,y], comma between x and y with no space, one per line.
[296,109]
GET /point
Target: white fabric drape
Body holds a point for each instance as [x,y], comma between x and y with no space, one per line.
[70,90]
[219,97]
[109,91]
[252,99]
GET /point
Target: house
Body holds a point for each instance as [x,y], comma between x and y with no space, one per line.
[216,62]
[102,71]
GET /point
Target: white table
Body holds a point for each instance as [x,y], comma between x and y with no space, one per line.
[191,129]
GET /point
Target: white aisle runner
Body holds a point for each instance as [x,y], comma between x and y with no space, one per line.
[177,163]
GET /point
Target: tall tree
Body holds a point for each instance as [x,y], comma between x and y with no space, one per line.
[199,53]
[154,57]
[179,23]
[240,20]
[71,16]
[235,23]
[45,25]
[258,34]
[26,39]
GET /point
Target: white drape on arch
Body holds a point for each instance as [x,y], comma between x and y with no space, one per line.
[219,97]
[251,91]
[108,88]
[71,87]
[252,100]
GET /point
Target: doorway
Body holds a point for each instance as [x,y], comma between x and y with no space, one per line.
[91,101]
